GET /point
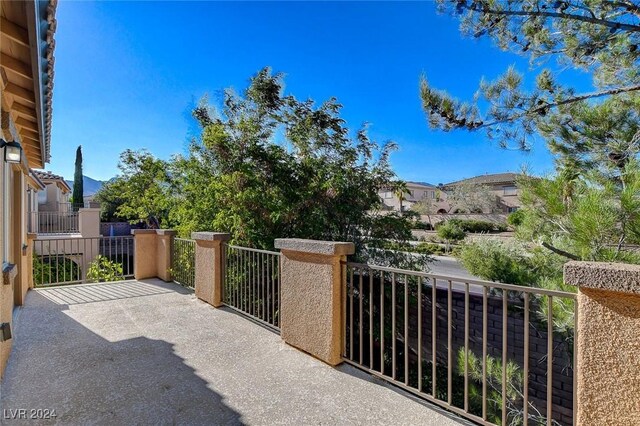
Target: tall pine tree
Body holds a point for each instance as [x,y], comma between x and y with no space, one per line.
[78,187]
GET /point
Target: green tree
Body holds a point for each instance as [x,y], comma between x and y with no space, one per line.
[77,196]
[599,37]
[469,197]
[267,165]
[451,233]
[142,192]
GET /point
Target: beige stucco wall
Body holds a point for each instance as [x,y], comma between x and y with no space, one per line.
[608,342]
[164,253]
[145,247]
[209,264]
[311,296]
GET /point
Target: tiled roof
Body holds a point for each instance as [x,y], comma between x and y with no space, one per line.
[488,179]
[51,43]
[47,175]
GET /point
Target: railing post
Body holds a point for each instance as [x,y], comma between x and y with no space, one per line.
[607,342]
[310,296]
[164,245]
[88,222]
[210,266]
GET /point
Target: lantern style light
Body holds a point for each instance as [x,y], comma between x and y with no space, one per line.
[12,151]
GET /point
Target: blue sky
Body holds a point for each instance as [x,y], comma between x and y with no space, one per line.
[126,75]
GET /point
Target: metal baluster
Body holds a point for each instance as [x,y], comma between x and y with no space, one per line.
[505,294]
[434,302]
[466,346]
[393,325]
[484,353]
[351,314]
[381,322]
[550,361]
[371,319]
[360,314]
[406,329]
[525,384]
[449,344]
[420,334]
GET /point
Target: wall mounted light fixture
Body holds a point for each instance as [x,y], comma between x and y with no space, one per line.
[12,151]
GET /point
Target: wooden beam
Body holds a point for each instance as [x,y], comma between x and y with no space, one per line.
[26,124]
[15,65]
[14,31]
[24,110]
[21,92]
[29,134]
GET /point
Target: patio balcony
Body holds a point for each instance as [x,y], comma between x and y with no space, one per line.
[150,352]
[213,333]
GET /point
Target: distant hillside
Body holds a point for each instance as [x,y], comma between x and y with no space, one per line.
[90,186]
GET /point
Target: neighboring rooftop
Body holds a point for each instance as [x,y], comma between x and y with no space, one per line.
[487,179]
[47,176]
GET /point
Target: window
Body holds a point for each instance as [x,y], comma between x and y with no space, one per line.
[42,196]
[388,195]
[509,190]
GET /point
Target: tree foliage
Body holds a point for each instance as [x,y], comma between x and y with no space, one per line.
[141,192]
[470,197]
[77,196]
[267,166]
[600,37]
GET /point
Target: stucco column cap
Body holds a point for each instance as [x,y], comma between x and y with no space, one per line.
[329,248]
[211,236]
[142,231]
[620,277]
[169,232]
[89,209]
[32,235]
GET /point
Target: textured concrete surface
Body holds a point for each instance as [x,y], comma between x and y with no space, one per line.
[622,277]
[315,246]
[145,263]
[152,353]
[608,345]
[311,314]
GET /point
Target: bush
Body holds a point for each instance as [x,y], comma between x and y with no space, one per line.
[475,226]
[494,261]
[422,225]
[451,232]
[429,248]
[102,270]
[515,219]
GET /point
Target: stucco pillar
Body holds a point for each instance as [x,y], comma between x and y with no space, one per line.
[89,222]
[145,250]
[311,296]
[210,266]
[607,342]
[164,255]
[29,256]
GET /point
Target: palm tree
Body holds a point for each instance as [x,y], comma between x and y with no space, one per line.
[400,189]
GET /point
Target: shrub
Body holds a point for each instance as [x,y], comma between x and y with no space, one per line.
[475,226]
[494,261]
[515,219]
[102,269]
[450,232]
[428,248]
[422,225]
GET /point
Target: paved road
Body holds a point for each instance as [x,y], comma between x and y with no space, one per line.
[449,266]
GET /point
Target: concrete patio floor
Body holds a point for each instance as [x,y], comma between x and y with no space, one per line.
[149,352]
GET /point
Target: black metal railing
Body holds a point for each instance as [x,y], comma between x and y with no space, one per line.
[58,261]
[183,262]
[491,352]
[53,222]
[252,283]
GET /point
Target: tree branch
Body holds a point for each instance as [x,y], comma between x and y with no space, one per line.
[560,252]
[593,95]
[597,21]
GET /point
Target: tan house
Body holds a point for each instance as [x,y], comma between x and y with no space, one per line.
[26,89]
[502,185]
[416,191]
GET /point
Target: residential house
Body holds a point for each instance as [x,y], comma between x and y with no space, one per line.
[502,185]
[26,89]
[416,191]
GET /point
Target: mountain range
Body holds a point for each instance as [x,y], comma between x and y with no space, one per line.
[90,186]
